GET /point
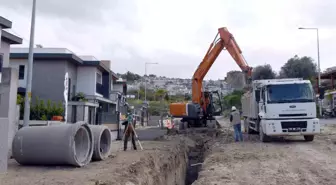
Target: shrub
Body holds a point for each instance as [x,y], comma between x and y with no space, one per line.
[41,110]
[79,97]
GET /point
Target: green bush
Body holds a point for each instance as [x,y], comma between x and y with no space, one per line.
[44,117]
[41,110]
[233,99]
[156,108]
[79,97]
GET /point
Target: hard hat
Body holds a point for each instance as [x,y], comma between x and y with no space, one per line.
[233,108]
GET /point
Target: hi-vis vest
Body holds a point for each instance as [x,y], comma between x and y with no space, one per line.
[235,117]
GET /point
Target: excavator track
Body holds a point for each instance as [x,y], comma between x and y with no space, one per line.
[183,128]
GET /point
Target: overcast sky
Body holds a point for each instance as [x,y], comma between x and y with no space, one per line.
[177,33]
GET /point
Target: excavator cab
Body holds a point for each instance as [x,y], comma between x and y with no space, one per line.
[212,105]
[216,103]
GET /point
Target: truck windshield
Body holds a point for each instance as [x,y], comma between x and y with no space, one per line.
[290,93]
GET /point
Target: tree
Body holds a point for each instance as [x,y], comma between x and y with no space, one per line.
[160,93]
[130,77]
[263,72]
[166,97]
[299,67]
[156,108]
[233,99]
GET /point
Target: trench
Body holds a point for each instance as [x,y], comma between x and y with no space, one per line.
[195,160]
[177,162]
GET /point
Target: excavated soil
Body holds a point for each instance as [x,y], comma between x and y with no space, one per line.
[199,158]
[283,161]
[161,162]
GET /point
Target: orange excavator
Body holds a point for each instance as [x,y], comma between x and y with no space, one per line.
[206,105]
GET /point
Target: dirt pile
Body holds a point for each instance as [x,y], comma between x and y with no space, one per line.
[283,161]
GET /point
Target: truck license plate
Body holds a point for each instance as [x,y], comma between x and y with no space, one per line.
[294,129]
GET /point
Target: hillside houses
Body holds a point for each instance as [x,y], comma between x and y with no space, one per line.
[176,86]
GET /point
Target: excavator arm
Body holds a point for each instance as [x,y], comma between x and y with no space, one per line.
[198,109]
[223,40]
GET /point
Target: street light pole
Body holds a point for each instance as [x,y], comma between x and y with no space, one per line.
[146,77]
[30,68]
[318,62]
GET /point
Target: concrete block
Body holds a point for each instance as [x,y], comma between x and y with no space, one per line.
[8,113]
[12,129]
[70,112]
[80,113]
[4,122]
[86,114]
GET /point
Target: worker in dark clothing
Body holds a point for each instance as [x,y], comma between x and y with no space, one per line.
[129,129]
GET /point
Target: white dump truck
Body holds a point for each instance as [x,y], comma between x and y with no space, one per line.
[280,107]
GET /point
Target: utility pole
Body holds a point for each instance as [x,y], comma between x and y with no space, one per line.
[30,68]
[318,62]
[147,63]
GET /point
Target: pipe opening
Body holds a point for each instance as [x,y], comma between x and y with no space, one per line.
[82,145]
[105,142]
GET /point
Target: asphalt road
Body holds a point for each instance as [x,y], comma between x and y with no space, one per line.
[151,133]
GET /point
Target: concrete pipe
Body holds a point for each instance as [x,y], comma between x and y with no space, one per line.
[65,144]
[102,142]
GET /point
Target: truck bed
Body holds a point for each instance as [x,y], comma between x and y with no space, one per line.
[249,105]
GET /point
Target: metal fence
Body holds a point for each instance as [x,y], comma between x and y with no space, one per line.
[107,118]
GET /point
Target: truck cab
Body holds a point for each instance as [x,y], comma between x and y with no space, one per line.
[284,107]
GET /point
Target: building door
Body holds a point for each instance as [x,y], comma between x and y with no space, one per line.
[90,115]
[73,114]
[99,114]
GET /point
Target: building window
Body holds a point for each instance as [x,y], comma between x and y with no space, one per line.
[21,72]
[69,89]
[99,78]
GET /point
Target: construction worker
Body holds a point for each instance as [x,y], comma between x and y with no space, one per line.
[235,121]
[129,129]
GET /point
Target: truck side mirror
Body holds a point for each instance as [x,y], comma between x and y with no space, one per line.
[321,93]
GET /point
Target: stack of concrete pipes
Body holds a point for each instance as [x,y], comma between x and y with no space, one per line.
[65,144]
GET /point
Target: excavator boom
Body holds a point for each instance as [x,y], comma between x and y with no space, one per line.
[225,41]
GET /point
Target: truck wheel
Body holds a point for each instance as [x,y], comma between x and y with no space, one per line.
[263,137]
[309,138]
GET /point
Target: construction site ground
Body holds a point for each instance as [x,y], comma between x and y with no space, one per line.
[283,161]
[214,158]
